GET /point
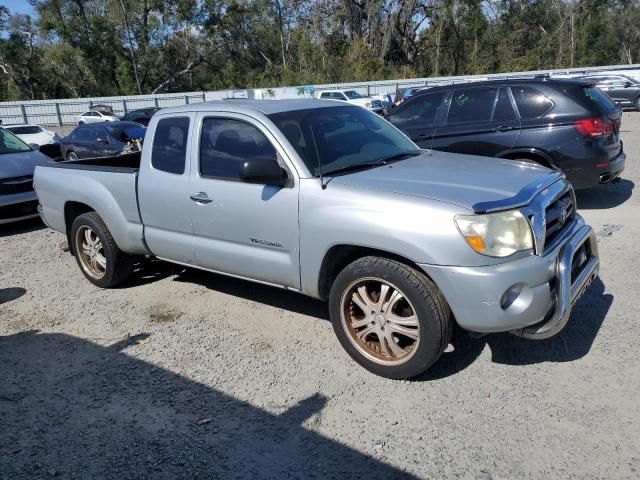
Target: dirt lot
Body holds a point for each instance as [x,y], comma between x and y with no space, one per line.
[184,374]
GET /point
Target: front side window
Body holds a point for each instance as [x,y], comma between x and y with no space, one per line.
[470,105]
[336,138]
[169,151]
[421,110]
[531,102]
[83,134]
[9,143]
[226,144]
[352,94]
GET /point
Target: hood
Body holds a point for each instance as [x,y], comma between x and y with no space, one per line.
[360,101]
[472,182]
[20,164]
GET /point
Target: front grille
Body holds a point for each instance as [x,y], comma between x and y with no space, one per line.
[558,218]
[9,186]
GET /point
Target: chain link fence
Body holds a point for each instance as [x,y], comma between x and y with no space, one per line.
[64,112]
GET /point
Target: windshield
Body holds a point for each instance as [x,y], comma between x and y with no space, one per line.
[25,130]
[352,94]
[9,143]
[126,131]
[341,137]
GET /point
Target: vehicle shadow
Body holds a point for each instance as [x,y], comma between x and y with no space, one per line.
[256,292]
[605,196]
[70,408]
[10,294]
[573,343]
[23,226]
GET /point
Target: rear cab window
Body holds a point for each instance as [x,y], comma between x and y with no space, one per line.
[169,149]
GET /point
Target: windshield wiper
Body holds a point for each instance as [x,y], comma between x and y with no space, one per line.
[376,163]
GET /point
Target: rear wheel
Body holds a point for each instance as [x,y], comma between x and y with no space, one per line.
[97,254]
[72,156]
[390,318]
[637,105]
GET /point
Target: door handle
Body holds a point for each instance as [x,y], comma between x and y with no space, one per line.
[503,128]
[201,197]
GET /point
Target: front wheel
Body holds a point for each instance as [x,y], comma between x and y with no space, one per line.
[72,156]
[637,105]
[97,254]
[390,318]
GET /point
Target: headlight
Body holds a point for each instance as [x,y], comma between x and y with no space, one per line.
[496,234]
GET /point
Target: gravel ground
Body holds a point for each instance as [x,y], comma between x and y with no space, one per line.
[185,374]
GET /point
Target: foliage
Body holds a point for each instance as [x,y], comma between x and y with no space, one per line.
[76,48]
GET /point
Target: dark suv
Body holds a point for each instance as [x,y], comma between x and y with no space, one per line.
[565,124]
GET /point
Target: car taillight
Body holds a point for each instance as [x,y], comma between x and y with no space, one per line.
[594,127]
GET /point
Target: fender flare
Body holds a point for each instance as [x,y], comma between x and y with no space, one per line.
[526,152]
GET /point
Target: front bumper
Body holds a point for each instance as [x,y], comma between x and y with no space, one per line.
[20,206]
[531,297]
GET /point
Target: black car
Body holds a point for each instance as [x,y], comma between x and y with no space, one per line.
[142,115]
[623,90]
[565,124]
[105,139]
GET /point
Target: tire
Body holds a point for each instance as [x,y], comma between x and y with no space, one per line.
[110,266]
[637,104]
[72,157]
[410,297]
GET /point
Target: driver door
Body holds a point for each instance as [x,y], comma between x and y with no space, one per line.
[243,229]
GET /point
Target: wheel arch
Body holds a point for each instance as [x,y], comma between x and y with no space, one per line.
[339,256]
[534,154]
[73,210]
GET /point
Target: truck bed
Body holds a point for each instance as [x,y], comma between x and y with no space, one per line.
[106,185]
[122,163]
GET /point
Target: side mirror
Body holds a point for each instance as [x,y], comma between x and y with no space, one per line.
[627,84]
[265,171]
[34,146]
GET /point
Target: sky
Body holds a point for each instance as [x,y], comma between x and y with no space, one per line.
[18,6]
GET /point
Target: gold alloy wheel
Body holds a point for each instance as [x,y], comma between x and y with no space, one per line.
[380,321]
[90,252]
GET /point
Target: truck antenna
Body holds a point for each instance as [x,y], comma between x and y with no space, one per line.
[315,146]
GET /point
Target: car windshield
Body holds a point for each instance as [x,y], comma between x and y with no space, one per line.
[9,143]
[25,130]
[338,138]
[352,94]
[126,131]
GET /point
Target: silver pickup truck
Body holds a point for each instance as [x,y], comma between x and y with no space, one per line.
[331,201]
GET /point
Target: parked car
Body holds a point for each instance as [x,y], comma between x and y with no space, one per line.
[93,116]
[102,140]
[328,199]
[569,125]
[141,116]
[18,199]
[623,90]
[34,134]
[353,97]
[403,94]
